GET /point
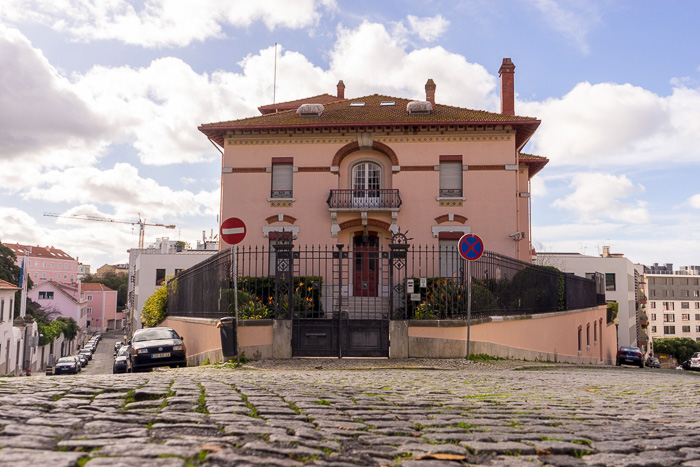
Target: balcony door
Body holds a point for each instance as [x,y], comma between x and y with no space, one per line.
[366,182]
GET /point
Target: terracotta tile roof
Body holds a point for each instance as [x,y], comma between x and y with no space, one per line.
[372,113]
[536,163]
[38,251]
[96,286]
[4,285]
[293,105]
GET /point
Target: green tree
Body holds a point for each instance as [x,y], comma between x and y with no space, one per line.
[679,347]
[155,309]
[50,328]
[10,272]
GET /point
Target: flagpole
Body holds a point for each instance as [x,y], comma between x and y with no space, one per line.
[23,284]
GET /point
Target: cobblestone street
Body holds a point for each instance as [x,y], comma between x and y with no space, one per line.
[354,412]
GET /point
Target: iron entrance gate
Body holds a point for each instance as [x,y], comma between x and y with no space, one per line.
[340,304]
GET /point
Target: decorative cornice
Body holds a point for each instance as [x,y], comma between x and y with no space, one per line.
[444,139]
[281,141]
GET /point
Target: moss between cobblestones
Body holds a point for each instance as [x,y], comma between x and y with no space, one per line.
[202,401]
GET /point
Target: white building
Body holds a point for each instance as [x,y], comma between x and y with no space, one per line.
[150,267]
[622,279]
[673,301]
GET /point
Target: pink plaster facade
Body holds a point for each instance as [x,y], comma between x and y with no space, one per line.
[46,263]
[65,299]
[406,155]
[101,307]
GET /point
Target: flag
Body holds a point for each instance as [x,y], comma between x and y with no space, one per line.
[21,275]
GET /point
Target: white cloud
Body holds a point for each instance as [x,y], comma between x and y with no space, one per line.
[429,28]
[396,71]
[161,23]
[122,188]
[573,20]
[598,195]
[43,122]
[538,186]
[694,201]
[617,125]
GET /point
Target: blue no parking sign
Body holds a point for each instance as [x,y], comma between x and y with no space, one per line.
[471,247]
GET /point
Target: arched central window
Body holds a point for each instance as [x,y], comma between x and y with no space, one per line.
[366,182]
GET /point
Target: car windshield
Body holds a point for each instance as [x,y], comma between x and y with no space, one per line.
[155,334]
[66,360]
[123,351]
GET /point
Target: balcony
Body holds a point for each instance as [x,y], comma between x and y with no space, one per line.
[364,200]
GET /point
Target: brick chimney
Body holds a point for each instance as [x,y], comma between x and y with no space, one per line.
[341,89]
[507,74]
[430,91]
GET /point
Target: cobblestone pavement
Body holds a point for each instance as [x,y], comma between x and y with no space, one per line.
[355,412]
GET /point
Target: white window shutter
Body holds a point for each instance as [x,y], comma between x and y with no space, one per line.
[282,180]
[451,178]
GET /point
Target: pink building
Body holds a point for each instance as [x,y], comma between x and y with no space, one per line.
[46,263]
[66,300]
[101,307]
[333,169]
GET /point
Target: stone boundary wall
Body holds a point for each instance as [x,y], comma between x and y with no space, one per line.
[552,337]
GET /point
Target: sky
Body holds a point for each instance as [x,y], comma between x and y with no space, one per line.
[100,101]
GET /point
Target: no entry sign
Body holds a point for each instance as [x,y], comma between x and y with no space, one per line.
[233,230]
[471,247]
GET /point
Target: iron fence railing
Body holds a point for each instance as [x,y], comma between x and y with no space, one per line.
[404,282]
[364,199]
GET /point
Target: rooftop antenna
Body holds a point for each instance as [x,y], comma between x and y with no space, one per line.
[274,79]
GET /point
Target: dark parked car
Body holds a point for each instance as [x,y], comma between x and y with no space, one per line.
[87,353]
[122,361]
[154,347]
[66,365]
[630,356]
[653,362]
[83,360]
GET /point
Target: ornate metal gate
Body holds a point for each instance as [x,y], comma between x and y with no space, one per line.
[352,290]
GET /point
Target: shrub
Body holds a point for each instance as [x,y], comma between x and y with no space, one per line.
[155,309]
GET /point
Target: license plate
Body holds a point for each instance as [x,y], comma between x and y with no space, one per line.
[629,360]
[160,355]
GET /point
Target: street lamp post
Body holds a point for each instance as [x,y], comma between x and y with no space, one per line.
[616,321]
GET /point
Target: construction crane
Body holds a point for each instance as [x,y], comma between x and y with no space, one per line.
[141,222]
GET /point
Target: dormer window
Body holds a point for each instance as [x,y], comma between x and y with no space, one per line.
[419,108]
[310,110]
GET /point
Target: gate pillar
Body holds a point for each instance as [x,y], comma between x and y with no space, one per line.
[284,287]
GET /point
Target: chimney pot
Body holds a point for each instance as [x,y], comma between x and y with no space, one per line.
[341,89]
[507,74]
[430,91]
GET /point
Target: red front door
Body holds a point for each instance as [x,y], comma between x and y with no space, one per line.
[366,265]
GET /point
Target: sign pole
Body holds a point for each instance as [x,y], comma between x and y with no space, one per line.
[471,247]
[469,304]
[235,297]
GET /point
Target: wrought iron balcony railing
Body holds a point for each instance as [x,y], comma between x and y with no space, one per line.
[364,199]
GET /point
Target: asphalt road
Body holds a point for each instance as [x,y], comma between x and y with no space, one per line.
[103,358]
[327,412]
